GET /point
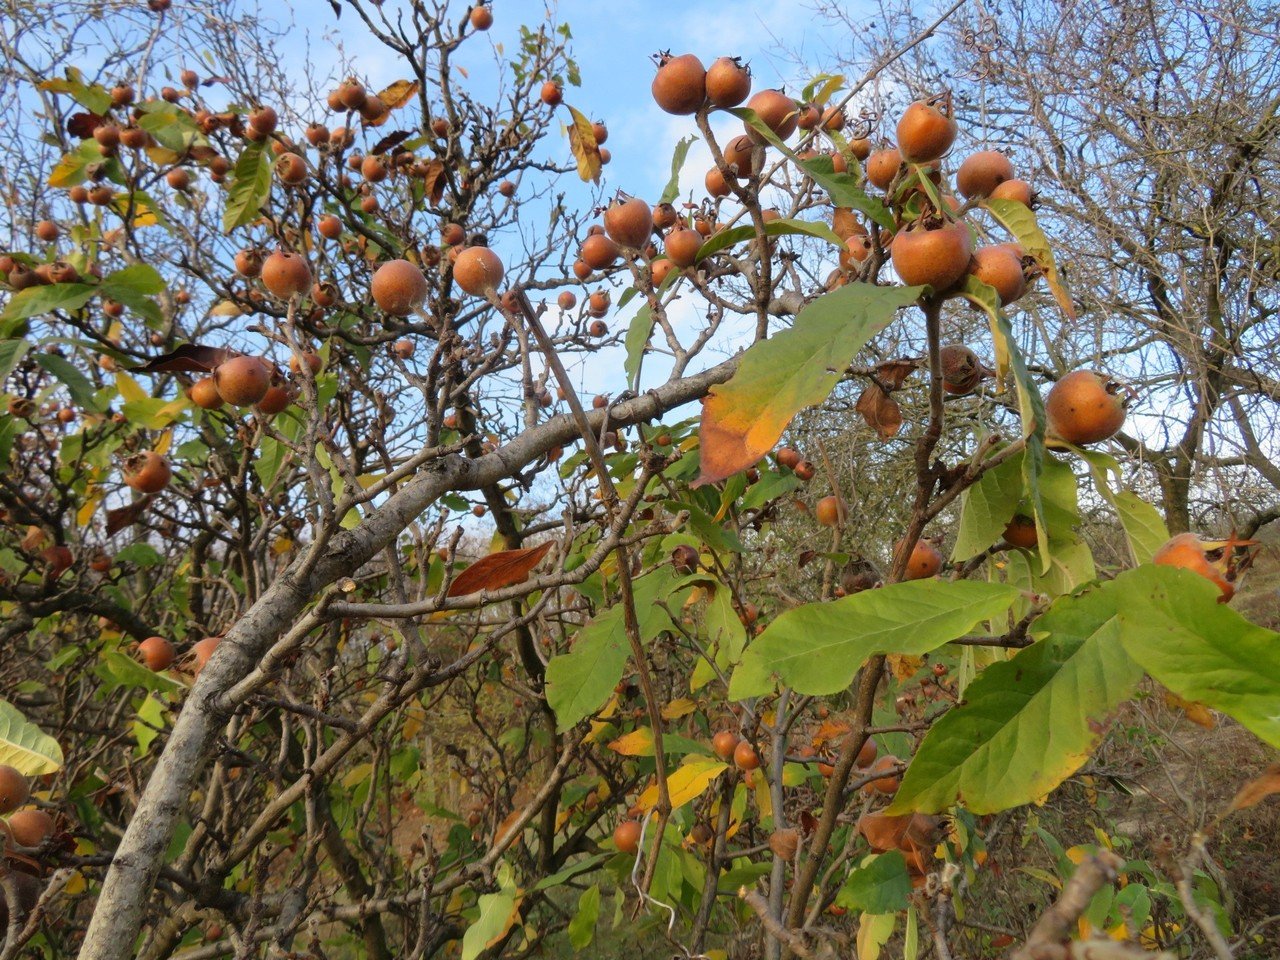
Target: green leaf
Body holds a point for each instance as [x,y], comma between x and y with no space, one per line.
[585,865]
[774,228]
[92,97]
[672,189]
[796,368]
[148,724]
[987,507]
[171,126]
[818,647]
[637,337]
[132,282]
[74,167]
[271,457]
[881,885]
[497,911]
[120,670]
[1144,528]
[11,353]
[1020,221]
[843,188]
[34,301]
[250,187]
[770,486]
[77,384]
[582,928]
[579,682]
[24,746]
[1200,649]
[1028,723]
[140,554]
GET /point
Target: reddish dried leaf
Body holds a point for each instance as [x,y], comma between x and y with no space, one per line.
[122,517]
[398,94]
[188,358]
[498,570]
[83,124]
[881,411]
[389,142]
[1256,790]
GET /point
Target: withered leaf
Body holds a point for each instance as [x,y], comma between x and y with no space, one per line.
[1256,790]
[433,181]
[582,141]
[893,373]
[121,517]
[881,411]
[499,570]
[390,141]
[83,124]
[188,358]
[398,94]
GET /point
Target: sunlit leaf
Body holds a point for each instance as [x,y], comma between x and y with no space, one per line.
[582,141]
[24,746]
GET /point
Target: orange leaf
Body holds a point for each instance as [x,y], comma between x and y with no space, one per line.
[1197,713]
[499,570]
[398,94]
[1257,789]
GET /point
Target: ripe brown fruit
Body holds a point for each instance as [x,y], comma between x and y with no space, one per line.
[738,156]
[716,183]
[830,511]
[787,457]
[728,82]
[856,250]
[243,381]
[330,227]
[659,270]
[776,111]
[598,252]
[867,753]
[682,245]
[887,784]
[1085,407]
[291,169]
[552,94]
[982,172]
[204,394]
[156,653]
[566,300]
[1212,559]
[785,843]
[724,743]
[47,231]
[1021,532]
[805,470]
[1000,268]
[745,756]
[600,132]
[403,349]
[147,472]
[680,85]
[399,287]
[883,832]
[452,234]
[201,651]
[274,400]
[925,560]
[58,557]
[286,274]
[14,789]
[478,271]
[1018,190]
[313,361]
[664,216]
[927,130]
[962,371]
[507,188]
[938,257]
[883,166]
[684,559]
[249,263]
[629,222]
[581,269]
[481,17]
[626,837]
[374,169]
[31,827]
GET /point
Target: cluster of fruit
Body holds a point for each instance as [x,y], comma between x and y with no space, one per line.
[25,826]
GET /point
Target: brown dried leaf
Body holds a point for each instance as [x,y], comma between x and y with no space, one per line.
[881,411]
[188,358]
[433,182]
[121,517]
[398,94]
[82,125]
[1197,713]
[893,373]
[582,141]
[498,570]
[1256,790]
[389,142]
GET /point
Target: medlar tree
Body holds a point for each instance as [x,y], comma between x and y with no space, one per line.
[264,356]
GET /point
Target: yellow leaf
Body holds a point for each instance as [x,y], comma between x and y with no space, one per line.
[686,784]
[582,141]
[281,545]
[874,931]
[130,390]
[764,802]
[637,743]
[88,508]
[75,885]
[224,308]
[357,775]
[1197,713]
[678,708]
[162,444]
[162,156]
[903,665]
[398,94]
